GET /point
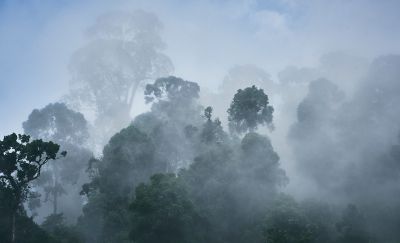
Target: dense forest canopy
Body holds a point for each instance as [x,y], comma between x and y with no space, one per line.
[304,159]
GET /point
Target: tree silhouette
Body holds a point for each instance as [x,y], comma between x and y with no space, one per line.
[249,109]
[21,162]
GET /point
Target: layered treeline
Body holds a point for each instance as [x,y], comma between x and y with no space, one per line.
[177,173]
[201,184]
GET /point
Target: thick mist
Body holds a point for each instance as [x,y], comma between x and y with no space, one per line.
[213,121]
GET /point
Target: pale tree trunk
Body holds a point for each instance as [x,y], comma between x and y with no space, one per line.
[133,94]
[56,188]
[55,201]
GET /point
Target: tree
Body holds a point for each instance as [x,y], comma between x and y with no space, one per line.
[249,109]
[206,177]
[58,123]
[237,77]
[174,108]
[21,162]
[173,98]
[208,113]
[172,88]
[124,51]
[128,160]
[59,231]
[26,230]
[315,138]
[321,101]
[163,212]
[287,223]
[232,181]
[154,143]
[69,129]
[212,131]
[260,169]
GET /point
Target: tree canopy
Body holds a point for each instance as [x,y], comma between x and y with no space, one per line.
[123,52]
[68,128]
[249,108]
[163,212]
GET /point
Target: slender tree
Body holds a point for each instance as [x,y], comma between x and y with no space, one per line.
[56,122]
[21,161]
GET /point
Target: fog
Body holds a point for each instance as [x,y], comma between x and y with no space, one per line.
[204,39]
[135,88]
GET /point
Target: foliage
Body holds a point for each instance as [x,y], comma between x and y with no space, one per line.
[61,233]
[58,123]
[154,143]
[27,231]
[163,212]
[212,131]
[172,88]
[286,223]
[123,52]
[173,99]
[231,183]
[249,109]
[128,160]
[174,108]
[21,161]
[260,162]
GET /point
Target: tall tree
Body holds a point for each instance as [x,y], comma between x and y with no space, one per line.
[123,52]
[249,108]
[21,161]
[237,77]
[173,98]
[232,182]
[69,129]
[58,123]
[128,160]
[174,108]
[154,143]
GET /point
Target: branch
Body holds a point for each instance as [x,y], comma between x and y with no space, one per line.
[39,168]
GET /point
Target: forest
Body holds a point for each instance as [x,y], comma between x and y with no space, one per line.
[318,164]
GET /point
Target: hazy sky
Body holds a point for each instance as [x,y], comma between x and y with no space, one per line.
[204,39]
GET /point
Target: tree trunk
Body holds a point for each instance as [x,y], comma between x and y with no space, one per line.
[55,189]
[13,228]
[134,90]
[55,201]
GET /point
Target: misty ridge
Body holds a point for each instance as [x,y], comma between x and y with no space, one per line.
[311,155]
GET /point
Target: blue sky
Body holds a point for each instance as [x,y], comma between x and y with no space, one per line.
[204,38]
